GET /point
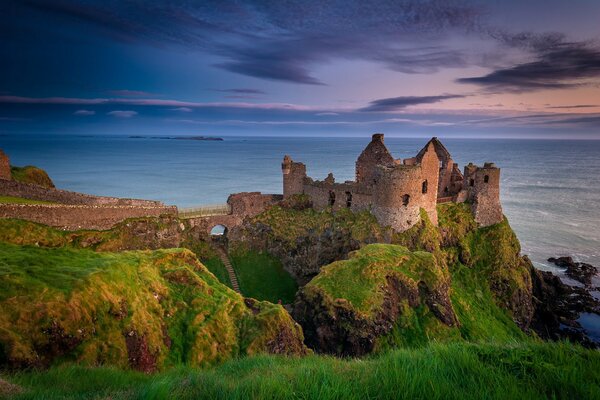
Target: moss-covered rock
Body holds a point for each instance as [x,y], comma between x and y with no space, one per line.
[306,239]
[32,175]
[351,304]
[142,309]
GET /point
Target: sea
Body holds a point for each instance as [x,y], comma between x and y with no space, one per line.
[550,189]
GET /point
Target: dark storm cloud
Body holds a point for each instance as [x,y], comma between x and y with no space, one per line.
[281,40]
[398,103]
[558,64]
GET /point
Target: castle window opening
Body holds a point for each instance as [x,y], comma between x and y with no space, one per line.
[486,178]
[441,164]
[472,182]
[405,199]
[331,197]
[348,199]
[424,187]
[446,189]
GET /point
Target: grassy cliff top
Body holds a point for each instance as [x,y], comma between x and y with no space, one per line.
[362,279]
[31,174]
[140,309]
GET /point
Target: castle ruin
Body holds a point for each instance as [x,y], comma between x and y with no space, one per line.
[396,190]
[4,166]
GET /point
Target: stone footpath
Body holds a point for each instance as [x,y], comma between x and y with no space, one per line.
[232,277]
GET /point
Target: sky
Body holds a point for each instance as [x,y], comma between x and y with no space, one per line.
[449,68]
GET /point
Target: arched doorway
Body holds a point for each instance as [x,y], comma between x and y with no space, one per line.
[219,233]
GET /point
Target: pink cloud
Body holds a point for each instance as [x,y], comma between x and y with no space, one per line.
[122,114]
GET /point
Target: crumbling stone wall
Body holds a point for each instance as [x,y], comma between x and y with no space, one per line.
[483,192]
[327,193]
[376,153]
[36,192]
[74,217]
[4,166]
[294,174]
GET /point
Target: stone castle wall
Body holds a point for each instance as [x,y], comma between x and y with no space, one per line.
[483,188]
[397,197]
[4,167]
[35,192]
[75,217]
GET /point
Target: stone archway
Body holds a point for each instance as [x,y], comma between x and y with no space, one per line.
[219,230]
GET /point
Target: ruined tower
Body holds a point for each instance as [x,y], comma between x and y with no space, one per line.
[402,190]
[294,174]
[4,166]
[483,192]
[450,177]
[373,155]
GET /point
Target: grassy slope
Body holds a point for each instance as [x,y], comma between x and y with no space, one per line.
[72,304]
[20,200]
[23,232]
[451,371]
[30,174]
[262,277]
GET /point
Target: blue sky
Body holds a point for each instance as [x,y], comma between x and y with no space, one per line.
[413,68]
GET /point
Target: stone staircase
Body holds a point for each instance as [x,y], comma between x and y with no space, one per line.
[230,271]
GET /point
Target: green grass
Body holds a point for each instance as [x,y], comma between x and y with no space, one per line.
[20,200]
[262,276]
[216,266]
[441,371]
[361,279]
[32,175]
[65,304]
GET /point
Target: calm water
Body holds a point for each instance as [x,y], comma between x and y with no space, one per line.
[549,188]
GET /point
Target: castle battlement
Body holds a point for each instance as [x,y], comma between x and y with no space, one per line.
[396,190]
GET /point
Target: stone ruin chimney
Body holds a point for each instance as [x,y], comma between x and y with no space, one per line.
[373,155]
[4,166]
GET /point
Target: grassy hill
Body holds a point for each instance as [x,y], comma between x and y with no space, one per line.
[146,310]
[438,371]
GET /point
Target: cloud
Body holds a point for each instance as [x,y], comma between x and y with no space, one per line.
[240,91]
[155,102]
[84,112]
[398,103]
[182,109]
[122,114]
[130,93]
[576,106]
[283,41]
[558,64]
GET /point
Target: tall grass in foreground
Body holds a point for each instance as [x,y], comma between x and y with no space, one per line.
[453,371]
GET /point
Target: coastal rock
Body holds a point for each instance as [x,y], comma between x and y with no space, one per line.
[579,271]
[558,306]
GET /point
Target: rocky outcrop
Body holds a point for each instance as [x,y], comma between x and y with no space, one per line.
[558,307]
[305,240]
[352,304]
[581,272]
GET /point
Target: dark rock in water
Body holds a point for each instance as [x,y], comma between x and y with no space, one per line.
[558,307]
[581,272]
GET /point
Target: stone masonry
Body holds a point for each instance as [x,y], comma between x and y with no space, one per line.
[4,166]
[396,190]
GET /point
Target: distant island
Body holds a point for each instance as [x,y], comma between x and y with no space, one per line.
[212,138]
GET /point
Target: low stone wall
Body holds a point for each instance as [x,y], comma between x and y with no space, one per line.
[35,192]
[74,217]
